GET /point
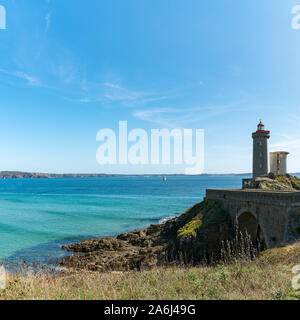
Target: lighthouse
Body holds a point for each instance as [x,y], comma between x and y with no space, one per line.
[260,151]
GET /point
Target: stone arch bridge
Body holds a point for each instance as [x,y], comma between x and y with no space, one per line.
[271,216]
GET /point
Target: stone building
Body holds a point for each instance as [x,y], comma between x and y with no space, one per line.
[260,151]
[278,162]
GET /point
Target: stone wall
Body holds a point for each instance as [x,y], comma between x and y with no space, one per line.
[277,213]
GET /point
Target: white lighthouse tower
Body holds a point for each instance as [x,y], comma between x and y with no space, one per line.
[260,151]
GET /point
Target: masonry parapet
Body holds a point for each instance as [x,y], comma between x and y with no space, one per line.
[281,198]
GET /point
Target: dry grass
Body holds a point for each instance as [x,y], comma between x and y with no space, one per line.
[267,277]
[287,255]
[234,281]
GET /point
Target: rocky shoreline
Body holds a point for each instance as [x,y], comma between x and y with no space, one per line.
[193,236]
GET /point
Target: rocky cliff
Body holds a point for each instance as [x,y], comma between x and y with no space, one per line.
[193,236]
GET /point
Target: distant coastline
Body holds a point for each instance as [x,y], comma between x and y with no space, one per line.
[37,175]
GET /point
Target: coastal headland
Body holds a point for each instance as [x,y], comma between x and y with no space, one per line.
[195,235]
[179,259]
[198,235]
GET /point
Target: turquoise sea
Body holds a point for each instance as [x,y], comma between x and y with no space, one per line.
[38,216]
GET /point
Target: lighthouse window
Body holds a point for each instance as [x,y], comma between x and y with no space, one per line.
[260,154]
[260,143]
[260,165]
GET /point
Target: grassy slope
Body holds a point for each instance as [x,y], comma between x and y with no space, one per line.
[268,277]
[204,215]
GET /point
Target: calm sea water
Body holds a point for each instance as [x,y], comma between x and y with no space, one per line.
[40,215]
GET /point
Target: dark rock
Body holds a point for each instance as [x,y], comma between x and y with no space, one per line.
[271,175]
[189,238]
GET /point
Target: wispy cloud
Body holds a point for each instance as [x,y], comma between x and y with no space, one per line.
[66,73]
[67,78]
[112,85]
[179,117]
[287,144]
[31,80]
[115,92]
[112,93]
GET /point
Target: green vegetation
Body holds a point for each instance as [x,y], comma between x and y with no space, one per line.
[215,215]
[295,183]
[241,276]
[190,229]
[269,186]
[275,183]
[292,182]
[282,179]
[202,216]
[266,278]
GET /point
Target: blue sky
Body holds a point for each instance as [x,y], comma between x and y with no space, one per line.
[70,68]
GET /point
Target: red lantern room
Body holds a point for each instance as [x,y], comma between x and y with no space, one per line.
[261,127]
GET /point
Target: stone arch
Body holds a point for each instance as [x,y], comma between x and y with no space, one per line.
[247,222]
